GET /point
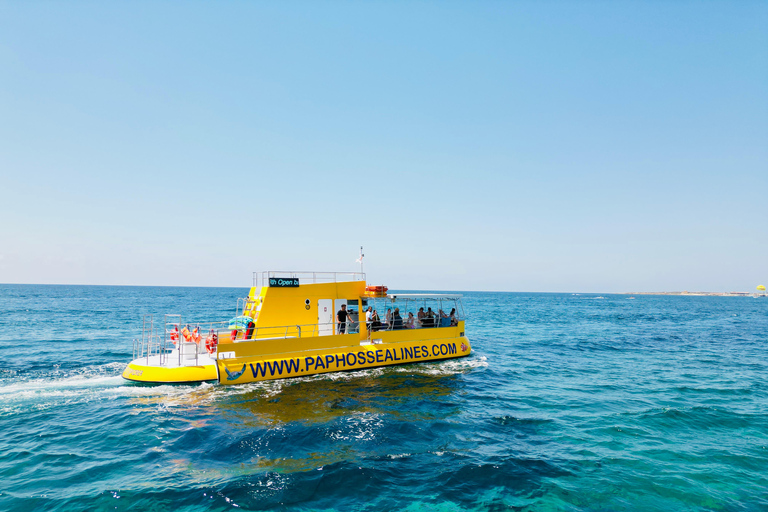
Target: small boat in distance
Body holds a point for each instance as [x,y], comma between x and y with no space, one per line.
[302,323]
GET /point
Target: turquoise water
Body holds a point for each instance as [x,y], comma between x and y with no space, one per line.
[569,402]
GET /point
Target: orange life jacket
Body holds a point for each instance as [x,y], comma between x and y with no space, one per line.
[211,341]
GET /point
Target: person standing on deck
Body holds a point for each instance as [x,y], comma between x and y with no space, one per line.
[368,320]
[341,316]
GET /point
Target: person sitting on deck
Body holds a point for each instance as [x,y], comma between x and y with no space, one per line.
[421,317]
[410,322]
[429,321]
[397,320]
[452,316]
[388,318]
[375,321]
[445,320]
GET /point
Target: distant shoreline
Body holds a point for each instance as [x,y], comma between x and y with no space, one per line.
[701,294]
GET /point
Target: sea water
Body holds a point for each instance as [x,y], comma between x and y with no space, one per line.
[568,402]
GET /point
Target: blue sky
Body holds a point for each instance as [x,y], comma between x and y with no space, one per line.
[519,146]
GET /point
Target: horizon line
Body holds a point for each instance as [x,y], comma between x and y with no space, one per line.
[682,293]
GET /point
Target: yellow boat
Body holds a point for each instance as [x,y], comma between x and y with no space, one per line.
[301,323]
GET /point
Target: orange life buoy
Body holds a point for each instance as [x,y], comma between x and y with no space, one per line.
[376,291]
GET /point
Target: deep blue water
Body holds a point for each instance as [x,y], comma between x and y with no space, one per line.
[569,402]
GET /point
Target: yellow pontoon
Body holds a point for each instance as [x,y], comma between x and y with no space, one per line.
[302,323]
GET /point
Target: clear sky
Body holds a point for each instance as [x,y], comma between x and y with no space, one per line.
[520,146]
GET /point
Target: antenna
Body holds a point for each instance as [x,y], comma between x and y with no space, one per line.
[360,259]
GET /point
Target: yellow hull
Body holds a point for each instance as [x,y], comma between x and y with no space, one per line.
[240,370]
[138,372]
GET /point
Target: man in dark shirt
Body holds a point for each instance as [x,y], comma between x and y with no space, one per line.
[341,316]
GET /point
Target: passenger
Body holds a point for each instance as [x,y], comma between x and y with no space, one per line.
[388,318]
[375,321]
[368,320]
[445,320]
[410,322]
[397,320]
[421,317]
[452,316]
[341,317]
[430,320]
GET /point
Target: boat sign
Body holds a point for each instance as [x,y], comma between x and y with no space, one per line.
[284,282]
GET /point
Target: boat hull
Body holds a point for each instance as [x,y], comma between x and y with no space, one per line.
[240,370]
[149,371]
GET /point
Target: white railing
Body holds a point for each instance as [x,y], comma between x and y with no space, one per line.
[169,339]
[306,277]
[151,342]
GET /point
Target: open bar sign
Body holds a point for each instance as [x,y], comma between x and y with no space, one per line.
[284,282]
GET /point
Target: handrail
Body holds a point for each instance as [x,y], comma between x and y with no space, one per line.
[307,276]
[247,307]
[311,330]
[157,339]
[425,296]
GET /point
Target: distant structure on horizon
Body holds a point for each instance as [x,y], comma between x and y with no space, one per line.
[709,294]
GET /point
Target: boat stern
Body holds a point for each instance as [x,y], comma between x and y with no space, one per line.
[141,370]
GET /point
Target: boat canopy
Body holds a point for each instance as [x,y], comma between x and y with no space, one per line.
[427,296]
[424,299]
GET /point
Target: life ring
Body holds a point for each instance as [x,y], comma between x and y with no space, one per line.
[211,342]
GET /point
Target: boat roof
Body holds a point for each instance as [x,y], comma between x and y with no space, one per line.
[306,277]
[418,296]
